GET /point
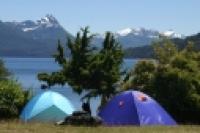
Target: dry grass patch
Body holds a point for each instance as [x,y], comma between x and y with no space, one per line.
[15,126]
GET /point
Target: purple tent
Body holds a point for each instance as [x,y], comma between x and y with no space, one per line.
[134,108]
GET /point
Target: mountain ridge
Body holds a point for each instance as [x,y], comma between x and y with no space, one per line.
[31,38]
[39,38]
[138,37]
[148,52]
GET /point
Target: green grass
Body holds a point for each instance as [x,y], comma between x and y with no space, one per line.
[18,127]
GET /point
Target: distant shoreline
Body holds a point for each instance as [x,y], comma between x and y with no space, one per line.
[45,57]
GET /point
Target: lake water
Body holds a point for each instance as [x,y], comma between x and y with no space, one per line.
[25,71]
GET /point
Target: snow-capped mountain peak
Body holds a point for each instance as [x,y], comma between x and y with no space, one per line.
[48,19]
[31,38]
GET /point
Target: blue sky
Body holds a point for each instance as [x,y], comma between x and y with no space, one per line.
[183,16]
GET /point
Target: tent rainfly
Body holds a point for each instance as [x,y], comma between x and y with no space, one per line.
[134,108]
[47,106]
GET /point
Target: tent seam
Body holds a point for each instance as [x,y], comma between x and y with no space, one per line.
[134,104]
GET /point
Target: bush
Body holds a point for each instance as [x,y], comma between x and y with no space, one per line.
[12,98]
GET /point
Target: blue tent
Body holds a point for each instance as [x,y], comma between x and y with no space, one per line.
[47,106]
[134,108]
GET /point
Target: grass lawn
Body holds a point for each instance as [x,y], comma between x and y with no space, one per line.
[18,127]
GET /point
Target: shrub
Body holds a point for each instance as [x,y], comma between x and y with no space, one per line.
[12,98]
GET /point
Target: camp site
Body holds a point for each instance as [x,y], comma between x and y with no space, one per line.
[98,66]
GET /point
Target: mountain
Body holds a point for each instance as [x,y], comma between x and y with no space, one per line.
[147,51]
[31,38]
[130,37]
[172,34]
[39,38]
[136,37]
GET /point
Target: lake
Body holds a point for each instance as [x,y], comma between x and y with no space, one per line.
[25,71]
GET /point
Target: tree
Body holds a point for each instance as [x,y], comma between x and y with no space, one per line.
[94,71]
[141,76]
[164,49]
[74,70]
[106,69]
[173,79]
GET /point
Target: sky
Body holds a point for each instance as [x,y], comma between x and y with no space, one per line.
[182,16]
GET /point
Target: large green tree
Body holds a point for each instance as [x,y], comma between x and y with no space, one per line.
[75,69]
[95,71]
[106,69]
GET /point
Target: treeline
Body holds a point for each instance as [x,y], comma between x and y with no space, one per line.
[173,79]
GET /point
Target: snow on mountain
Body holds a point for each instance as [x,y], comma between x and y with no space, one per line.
[32,38]
[137,32]
[172,34]
[148,33]
[47,28]
[49,21]
[124,32]
[29,29]
[136,37]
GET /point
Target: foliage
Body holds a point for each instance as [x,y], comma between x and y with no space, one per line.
[3,71]
[141,75]
[12,98]
[90,70]
[173,79]
[74,70]
[105,69]
[164,50]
